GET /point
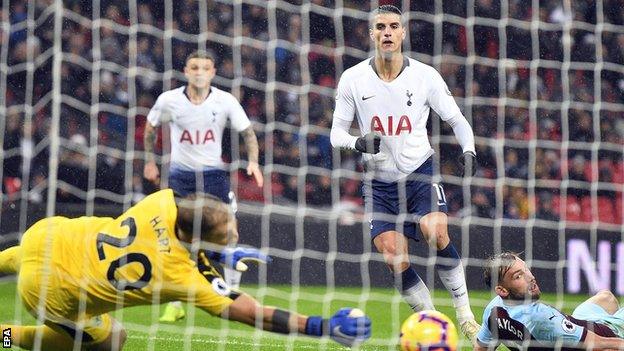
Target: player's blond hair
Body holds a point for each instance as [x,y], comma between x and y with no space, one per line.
[497,266]
[203,215]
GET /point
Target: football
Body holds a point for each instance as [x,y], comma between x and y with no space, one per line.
[428,330]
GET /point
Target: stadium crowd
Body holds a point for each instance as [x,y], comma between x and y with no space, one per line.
[547,128]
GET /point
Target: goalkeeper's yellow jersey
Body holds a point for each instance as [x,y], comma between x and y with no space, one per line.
[135,259]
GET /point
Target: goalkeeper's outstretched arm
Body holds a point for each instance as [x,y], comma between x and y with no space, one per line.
[347,327]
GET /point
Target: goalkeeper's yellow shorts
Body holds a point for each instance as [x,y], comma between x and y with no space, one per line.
[41,288]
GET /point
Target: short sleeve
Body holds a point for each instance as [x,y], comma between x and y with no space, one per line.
[158,114]
[558,327]
[440,98]
[238,117]
[484,336]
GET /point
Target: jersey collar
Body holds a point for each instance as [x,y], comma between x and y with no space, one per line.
[371,62]
[185,91]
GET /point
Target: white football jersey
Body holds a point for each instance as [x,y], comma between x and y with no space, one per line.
[397,111]
[197,130]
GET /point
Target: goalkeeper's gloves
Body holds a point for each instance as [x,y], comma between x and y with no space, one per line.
[235,257]
[469,161]
[349,327]
[368,143]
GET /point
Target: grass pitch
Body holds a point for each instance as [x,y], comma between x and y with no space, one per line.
[200,331]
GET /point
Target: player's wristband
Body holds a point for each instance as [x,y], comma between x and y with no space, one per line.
[316,326]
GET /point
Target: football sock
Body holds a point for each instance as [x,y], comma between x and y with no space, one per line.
[10,260]
[176,304]
[232,277]
[25,336]
[451,273]
[413,290]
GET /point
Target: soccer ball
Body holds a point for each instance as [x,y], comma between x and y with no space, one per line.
[428,330]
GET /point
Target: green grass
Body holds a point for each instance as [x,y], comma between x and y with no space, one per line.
[200,331]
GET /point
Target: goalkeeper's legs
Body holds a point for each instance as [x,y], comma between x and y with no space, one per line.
[434,227]
[393,246]
[25,337]
[10,259]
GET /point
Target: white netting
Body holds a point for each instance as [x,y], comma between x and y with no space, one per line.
[540,81]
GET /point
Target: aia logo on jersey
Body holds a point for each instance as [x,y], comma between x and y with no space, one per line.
[388,128]
[197,138]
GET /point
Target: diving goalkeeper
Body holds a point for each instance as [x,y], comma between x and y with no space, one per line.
[73,272]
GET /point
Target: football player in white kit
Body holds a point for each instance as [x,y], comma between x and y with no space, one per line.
[197,114]
[391,95]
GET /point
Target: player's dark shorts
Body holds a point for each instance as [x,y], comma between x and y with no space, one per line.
[215,182]
[399,205]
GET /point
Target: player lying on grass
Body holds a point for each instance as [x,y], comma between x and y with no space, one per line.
[73,272]
[517,319]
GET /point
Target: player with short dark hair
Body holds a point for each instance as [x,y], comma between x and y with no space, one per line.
[517,319]
[197,115]
[73,272]
[392,95]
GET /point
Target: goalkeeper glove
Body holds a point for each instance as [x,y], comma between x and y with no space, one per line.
[348,327]
[368,143]
[235,257]
[469,161]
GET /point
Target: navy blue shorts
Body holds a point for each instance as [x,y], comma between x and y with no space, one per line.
[399,205]
[216,182]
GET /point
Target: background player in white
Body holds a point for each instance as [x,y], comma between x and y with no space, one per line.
[197,114]
[517,319]
[391,95]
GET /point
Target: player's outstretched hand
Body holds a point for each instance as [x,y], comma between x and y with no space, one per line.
[368,143]
[235,257]
[253,169]
[469,161]
[349,327]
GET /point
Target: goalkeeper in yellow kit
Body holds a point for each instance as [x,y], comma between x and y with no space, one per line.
[72,272]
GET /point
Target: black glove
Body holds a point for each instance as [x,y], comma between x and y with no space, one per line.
[469,161]
[368,143]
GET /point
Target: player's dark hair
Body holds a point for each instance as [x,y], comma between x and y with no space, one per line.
[200,54]
[497,266]
[213,212]
[383,9]
[387,9]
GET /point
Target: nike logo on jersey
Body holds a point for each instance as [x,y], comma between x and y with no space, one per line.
[364,98]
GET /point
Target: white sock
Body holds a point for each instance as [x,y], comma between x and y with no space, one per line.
[232,277]
[176,304]
[418,297]
[454,280]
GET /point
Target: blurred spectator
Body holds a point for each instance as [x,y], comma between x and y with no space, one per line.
[577,172]
[545,208]
[321,192]
[481,204]
[73,171]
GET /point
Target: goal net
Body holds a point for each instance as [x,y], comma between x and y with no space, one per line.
[541,82]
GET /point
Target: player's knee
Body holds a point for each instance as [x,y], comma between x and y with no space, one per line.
[394,258]
[437,234]
[606,297]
